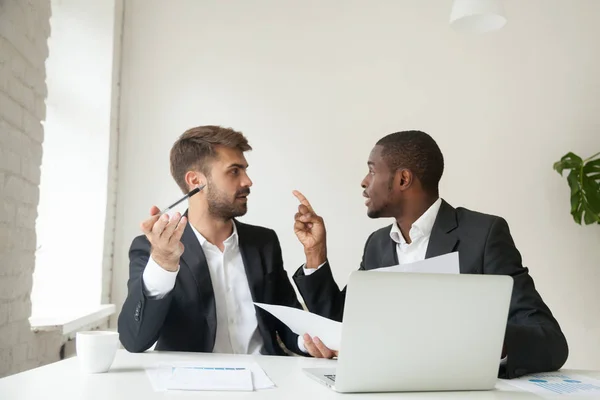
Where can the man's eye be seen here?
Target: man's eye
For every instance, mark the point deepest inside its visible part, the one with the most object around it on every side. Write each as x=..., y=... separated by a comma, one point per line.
x=235, y=171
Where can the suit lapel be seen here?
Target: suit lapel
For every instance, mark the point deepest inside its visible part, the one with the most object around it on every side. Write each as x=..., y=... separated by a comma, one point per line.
x=389, y=255
x=443, y=240
x=253, y=264
x=255, y=273
x=194, y=259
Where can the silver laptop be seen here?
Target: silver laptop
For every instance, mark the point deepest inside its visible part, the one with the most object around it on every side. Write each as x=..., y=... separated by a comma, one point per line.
x=420, y=332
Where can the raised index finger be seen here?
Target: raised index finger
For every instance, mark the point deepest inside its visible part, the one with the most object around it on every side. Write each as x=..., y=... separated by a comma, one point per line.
x=303, y=200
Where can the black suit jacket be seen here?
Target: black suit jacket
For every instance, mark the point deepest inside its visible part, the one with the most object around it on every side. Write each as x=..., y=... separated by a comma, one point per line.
x=186, y=319
x=534, y=341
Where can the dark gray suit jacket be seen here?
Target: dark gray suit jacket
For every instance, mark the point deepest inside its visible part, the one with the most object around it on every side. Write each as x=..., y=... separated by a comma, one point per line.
x=186, y=319
x=534, y=341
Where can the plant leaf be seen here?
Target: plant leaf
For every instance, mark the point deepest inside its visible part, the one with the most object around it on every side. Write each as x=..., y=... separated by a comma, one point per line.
x=571, y=156
x=573, y=180
x=592, y=166
x=578, y=214
x=584, y=182
x=568, y=161
x=591, y=193
x=590, y=217
x=576, y=196
x=594, y=176
x=575, y=204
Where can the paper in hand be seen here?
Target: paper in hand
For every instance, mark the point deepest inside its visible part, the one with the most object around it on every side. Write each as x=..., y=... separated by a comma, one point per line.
x=301, y=322
x=444, y=264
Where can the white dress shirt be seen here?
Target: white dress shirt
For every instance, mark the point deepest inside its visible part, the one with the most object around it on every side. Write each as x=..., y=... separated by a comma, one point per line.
x=237, y=327
x=419, y=234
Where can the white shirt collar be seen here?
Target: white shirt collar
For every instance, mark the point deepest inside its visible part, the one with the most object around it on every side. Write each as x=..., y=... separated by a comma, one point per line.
x=233, y=239
x=421, y=227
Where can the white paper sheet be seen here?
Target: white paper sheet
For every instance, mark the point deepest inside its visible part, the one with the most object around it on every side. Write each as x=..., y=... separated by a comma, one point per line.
x=161, y=376
x=444, y=264
x=208, y=378
x=158, y=378
x=556, y=384
x=301, y=322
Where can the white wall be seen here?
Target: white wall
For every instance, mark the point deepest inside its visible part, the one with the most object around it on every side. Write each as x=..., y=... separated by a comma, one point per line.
x=23, y=49
x=314, y=84
x=75, y=165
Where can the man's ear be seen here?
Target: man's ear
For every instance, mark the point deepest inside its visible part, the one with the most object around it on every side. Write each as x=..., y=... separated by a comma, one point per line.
x=405, y=178
x=193, y=179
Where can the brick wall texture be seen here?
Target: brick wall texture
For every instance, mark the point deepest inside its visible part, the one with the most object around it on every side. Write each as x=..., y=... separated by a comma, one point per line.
x=24, y=32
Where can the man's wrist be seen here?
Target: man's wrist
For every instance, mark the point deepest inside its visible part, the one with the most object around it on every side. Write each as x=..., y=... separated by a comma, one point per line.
x=315, y=258
x=165, y=263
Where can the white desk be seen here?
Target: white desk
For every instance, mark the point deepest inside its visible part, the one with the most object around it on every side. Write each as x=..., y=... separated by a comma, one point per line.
x=127, y=380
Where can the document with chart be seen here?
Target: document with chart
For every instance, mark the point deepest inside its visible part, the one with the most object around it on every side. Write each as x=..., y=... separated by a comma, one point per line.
x=553, y=384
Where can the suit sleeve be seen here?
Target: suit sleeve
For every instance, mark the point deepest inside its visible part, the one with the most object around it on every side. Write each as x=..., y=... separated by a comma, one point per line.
x=534, y=341
x=320, y=292
x=141, y=317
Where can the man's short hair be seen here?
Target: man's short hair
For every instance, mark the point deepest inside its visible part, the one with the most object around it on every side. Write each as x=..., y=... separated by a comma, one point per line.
x=417, y=152
x=196, y=148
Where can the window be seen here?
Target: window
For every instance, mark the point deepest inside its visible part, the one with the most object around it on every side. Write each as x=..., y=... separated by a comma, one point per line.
x=70, y=228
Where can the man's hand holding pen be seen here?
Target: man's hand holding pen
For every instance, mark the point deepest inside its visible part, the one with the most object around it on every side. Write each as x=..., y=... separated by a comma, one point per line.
x=164, y=234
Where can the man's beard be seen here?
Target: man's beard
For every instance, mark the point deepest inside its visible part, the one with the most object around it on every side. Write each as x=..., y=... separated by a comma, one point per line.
x=221, y=206
x=382, y=211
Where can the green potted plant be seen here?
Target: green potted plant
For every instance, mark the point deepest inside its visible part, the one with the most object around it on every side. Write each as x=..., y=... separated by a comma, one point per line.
x=584, y=181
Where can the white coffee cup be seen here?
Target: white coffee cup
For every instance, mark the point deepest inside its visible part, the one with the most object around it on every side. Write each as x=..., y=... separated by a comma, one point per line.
x=96, y=350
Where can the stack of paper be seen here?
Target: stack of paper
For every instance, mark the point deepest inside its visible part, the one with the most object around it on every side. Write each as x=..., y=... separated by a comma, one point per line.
x=208, y=376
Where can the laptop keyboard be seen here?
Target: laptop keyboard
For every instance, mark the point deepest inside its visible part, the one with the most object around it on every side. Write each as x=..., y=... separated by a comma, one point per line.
x=330, y=377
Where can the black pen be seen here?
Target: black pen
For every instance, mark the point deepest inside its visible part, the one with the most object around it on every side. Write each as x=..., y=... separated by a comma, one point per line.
x=187, y=196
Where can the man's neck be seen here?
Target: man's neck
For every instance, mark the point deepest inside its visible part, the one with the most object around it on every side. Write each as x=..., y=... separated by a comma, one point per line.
x=411, y=213
x=214, y=230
